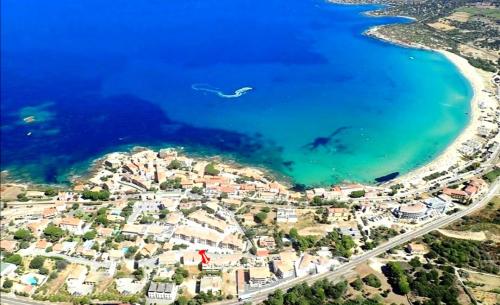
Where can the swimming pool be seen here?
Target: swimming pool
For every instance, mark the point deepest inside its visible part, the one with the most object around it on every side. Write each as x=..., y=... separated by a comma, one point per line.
x=33, y=281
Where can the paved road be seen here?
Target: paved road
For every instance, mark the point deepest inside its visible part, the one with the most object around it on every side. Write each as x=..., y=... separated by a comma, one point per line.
x=7, y=300
x=344, y=269
x=401, y=239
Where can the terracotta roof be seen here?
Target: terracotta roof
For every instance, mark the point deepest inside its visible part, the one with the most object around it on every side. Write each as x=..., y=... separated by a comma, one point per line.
x=71, y=221
x=8, y=245
x=451, y=192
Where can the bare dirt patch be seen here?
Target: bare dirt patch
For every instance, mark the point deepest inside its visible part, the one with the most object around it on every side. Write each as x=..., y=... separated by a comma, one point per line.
x=364, y=270
x=484, y=286
x=441, y=26
x=10, y=192
x=479, y=236
x=229, y=283
x=459, y=16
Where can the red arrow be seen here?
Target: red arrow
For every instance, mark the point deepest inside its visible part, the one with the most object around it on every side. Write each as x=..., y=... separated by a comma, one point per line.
x=204, y=258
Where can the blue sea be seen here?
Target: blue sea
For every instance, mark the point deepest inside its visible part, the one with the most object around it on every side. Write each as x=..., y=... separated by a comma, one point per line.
x=293, y=86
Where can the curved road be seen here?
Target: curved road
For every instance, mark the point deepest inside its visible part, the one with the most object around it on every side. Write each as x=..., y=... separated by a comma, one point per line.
x=342, y=270
x=396, y=241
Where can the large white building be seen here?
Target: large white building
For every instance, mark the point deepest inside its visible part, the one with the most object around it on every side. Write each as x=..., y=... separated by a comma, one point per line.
x=412, y=211
x=436, y=204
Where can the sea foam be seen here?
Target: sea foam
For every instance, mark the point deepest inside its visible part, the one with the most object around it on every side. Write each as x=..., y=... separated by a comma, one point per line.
x=205, y=87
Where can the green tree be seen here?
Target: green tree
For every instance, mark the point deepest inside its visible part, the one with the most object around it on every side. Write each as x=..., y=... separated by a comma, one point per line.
x=7, y=284
x=372, y=280
x=53, y=233
x=102, y=195
x=23, y=234
x=50, y=192
x=260, y=217
x=415, y=262
x=174, y=164
x=37, y=262
x=197, y=190
x=265, y=209
x=171, y=184
x=61, y=264
x=403, y=285
x=211, y=170
x=357, y=284
x=102, y=220
x=22, y=197
x=294, y=234
x=179, y=275
x=357, y=194
x=89, y=235
x=15, y=259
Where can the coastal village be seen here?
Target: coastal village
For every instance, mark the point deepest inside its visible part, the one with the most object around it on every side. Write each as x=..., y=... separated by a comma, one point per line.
x=158, y=226
x=161, y=227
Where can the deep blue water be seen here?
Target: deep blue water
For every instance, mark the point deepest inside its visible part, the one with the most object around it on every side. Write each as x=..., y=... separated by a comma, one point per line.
x=326, y=104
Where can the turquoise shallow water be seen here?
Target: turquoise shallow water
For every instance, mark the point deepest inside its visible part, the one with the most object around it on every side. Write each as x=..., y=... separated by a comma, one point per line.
x=293, y=86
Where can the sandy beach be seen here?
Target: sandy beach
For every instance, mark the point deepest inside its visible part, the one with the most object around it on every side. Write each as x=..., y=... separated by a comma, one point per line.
x=479, y=81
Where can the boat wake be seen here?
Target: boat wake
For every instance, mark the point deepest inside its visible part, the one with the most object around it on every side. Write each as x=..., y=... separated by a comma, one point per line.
x=208, y=88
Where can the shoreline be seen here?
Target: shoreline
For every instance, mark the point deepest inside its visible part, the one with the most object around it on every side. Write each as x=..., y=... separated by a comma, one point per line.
x=478, y=80
x=450, y=155
x=443, y=160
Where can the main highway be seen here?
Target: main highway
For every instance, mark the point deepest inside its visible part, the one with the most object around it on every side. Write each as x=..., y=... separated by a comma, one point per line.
x=394, y=242
x=343, y=269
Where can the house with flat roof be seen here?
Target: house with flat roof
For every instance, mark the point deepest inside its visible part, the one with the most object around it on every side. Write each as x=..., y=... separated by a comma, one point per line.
x=283, y=269
x=259, y=276
x=232, y=242
x=436, y=204
x=200, y=236
x=284, y=215
x=221, y=261
x=129, y=285
x=6, y=269
x=161, y=293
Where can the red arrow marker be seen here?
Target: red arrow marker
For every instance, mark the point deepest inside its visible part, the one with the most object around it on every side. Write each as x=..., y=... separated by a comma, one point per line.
x=204, y=258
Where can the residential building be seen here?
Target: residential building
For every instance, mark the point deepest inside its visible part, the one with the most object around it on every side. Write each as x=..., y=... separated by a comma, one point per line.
x=259, y=276
x=72, y=225
x=284, y=215
x=338, y=214
x=161, y=293
x=266, y=242
x=283, y=269
x=8, y=245
x=456, y=194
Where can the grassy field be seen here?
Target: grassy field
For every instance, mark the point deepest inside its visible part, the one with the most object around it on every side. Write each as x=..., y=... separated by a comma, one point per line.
x=487, y=12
